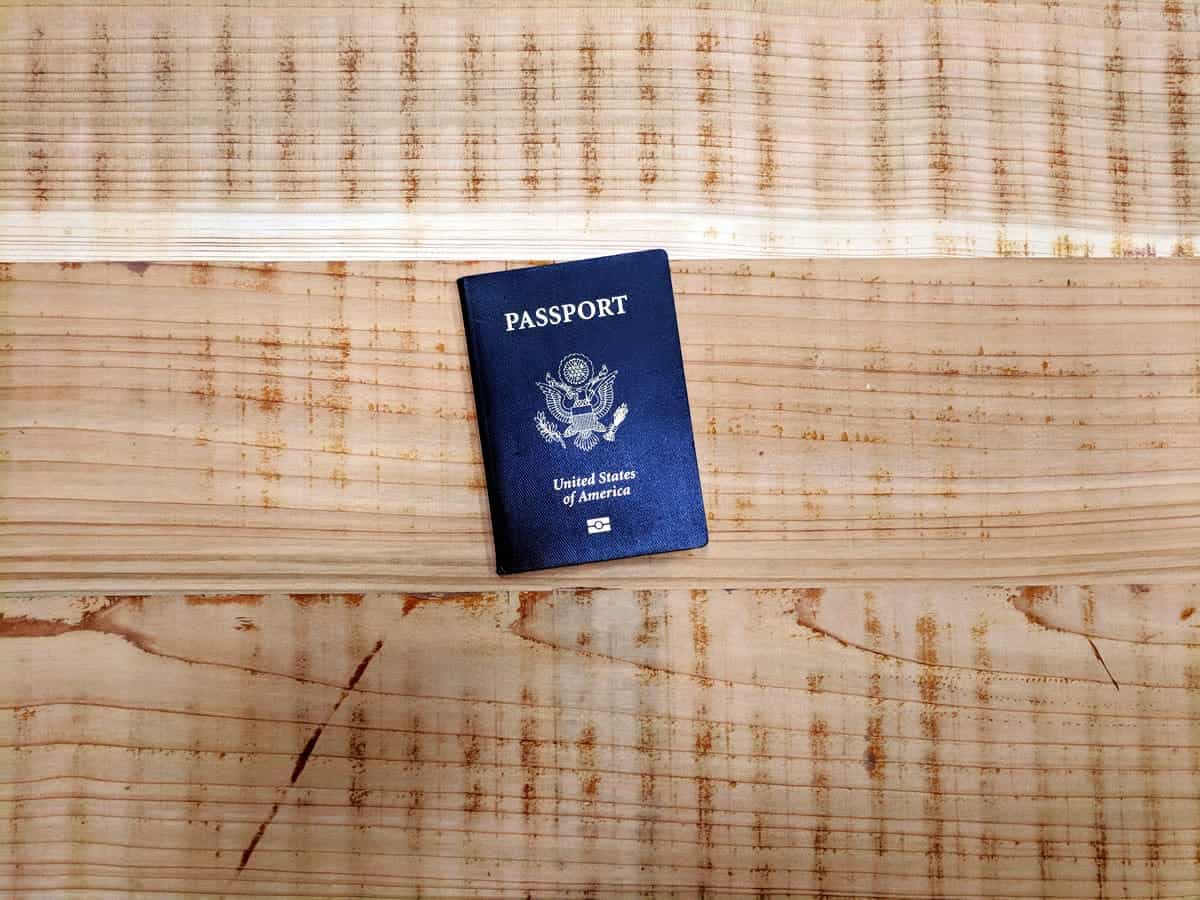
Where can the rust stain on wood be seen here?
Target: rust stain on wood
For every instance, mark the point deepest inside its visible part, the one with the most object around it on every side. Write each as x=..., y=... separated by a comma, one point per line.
x=930, y=688
x=350, y=57
x=589, y=73
x=530, y=752
x=648, y=629
x=818, y=748
x=1060, y=140
x=164, y=61
x=226, y=72
x=701, y=636
x=471, y=748
x=1065, y=247
x=101, y=178
x=981, y=658
x=1117, y=100
x=648, y=134
x=474, y=187
x=200, y=274
x=881, y=142
x=1179, y=117
x=531, y=139
x=473, y=191
x=230, y=112
x=413, y=765
x=824, y=182
x=710, y=146
x=764, y=129
x=1028, y=600
x=412, y=140
x=942, y=155
x=471, y=70
x=648, y=759
x=768, y=779
x=704, y=731
x=307, y=342
x=337, y=400
x=590, y=781
x=706, y=789
x=472, y=602
x=356, y=749
x=270, y=439
x=1172, y=11
x=37, y=170
x=1003, y=187
x=223, y=599
x=285, y=65
x=325, y=599
x=647, y=92
x=163, y=42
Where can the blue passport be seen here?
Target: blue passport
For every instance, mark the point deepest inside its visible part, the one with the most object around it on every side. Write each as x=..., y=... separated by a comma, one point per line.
x=583, y=411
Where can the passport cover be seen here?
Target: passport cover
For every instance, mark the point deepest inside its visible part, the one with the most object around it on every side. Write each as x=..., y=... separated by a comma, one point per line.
x=583, y=411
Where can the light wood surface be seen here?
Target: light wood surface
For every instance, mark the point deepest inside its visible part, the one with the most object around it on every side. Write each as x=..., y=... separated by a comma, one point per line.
x=894, y=741
x=310, y=427
x=943, y=640
x=495, y=130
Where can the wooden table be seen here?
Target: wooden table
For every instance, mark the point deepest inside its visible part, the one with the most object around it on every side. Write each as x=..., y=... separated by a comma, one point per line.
x=942, y=642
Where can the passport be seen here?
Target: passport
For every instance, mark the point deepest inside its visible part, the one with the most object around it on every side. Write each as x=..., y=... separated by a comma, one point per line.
x=583, y=411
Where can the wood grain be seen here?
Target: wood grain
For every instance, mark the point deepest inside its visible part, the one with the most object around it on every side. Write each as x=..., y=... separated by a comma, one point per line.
x=441, y=130
x=902, y=741
x=310, y=427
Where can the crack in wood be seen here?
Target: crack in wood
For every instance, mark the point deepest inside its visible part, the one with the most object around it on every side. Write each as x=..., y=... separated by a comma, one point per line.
x=1107, y=671
x=306, y=752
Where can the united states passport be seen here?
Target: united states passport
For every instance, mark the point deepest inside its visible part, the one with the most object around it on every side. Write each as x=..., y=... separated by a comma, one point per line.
x=583, y=411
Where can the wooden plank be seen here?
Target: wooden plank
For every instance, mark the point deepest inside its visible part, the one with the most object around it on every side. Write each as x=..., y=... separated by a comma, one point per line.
x=310, y=427
x=434, y=130
x=915, y=740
